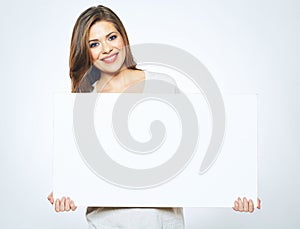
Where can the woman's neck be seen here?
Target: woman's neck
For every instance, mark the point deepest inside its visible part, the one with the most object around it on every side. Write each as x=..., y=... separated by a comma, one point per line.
x=120, y=81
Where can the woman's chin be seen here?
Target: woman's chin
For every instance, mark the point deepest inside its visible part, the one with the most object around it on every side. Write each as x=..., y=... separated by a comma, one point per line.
x=112, y=69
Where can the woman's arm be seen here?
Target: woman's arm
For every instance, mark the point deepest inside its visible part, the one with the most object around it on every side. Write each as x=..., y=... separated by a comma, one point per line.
x=63, y=204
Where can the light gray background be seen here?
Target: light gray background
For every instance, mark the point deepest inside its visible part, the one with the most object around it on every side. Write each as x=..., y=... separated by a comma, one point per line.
x=246, y=45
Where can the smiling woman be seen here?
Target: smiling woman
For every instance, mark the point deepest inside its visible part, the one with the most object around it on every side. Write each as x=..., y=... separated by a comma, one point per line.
x=101, y=61
x=99, y=45
x=106, y=47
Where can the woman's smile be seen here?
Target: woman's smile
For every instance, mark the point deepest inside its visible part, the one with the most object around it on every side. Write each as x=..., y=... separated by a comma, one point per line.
x=110, y=59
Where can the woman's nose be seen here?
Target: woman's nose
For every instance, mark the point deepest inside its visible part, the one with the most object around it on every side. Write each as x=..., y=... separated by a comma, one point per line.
x=106, y=47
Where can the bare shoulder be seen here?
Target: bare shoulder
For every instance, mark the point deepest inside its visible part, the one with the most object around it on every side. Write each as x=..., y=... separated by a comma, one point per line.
x=159, y=76
x=136, y=75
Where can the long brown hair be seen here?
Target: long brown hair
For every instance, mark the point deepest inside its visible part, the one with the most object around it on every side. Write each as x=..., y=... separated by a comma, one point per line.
x=80, y=60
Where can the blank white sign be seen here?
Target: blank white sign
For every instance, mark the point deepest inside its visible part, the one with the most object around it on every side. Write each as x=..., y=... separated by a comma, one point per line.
x=234, y=173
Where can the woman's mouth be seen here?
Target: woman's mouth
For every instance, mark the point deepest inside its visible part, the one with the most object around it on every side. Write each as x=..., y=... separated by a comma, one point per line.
x=110, y=59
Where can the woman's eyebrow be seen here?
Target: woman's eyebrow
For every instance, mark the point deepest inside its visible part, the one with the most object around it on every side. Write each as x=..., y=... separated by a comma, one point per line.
x=93, y=40
x=106, y=36
x=109, y=34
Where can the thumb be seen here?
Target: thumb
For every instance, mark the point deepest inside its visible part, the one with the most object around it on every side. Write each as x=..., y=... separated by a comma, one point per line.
x=50, y=198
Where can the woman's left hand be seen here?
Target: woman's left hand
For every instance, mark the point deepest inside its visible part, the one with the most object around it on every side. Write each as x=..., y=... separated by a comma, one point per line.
x=245, y=205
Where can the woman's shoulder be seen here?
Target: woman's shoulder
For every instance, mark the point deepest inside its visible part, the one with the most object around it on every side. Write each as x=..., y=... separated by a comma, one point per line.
x=159, y=76
x=169, y=87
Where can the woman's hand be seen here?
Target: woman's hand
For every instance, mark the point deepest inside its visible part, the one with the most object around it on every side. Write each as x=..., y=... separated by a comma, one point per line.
x=63, y=204
x=245, y=205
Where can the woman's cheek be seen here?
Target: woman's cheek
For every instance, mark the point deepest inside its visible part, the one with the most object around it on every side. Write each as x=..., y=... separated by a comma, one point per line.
x=94, y=55
x=119, y=44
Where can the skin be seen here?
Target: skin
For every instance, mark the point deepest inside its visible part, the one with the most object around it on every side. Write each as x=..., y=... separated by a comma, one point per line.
x=105, y=41
x=108, y=54
x=63, y=204
x=245, y=205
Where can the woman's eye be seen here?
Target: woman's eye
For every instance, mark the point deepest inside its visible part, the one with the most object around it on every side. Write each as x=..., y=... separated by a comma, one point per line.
x=113, y=37
x=94, y=44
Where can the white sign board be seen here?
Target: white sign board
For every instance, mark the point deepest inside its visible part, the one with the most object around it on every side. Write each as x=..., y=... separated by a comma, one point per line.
x=109, y=172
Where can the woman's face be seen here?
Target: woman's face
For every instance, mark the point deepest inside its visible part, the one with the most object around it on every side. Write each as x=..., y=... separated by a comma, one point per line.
x=106, y=47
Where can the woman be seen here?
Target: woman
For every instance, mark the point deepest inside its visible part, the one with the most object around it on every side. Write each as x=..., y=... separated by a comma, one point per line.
x=100, y=46
x=99, y=38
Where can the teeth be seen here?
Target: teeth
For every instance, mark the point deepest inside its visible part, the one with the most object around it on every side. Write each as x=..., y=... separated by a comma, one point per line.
x=110, y=58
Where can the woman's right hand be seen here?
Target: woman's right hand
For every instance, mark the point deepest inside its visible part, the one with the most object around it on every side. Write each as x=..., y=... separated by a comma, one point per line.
x=63, y=204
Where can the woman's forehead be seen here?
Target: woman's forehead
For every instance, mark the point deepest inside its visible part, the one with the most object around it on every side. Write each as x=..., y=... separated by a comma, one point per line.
x=101, y=29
